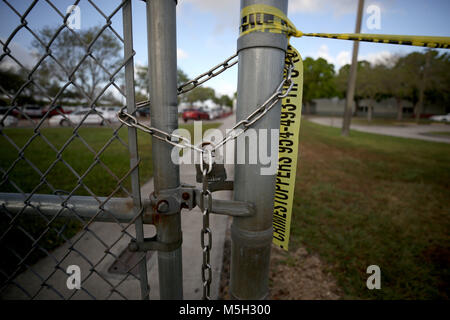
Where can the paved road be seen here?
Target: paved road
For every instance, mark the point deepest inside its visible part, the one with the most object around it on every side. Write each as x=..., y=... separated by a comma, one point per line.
x=412, y=131
x=92, y=248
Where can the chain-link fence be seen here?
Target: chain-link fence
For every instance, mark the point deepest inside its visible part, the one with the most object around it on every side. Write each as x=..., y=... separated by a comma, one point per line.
x=69, y=187
x=70, y=196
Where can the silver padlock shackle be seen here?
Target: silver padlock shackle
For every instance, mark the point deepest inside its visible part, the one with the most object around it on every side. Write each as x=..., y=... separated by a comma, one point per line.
x=210, y=158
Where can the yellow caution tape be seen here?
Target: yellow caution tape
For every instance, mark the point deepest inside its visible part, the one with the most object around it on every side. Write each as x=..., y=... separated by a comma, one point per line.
x=264, y=18
x=420, y=41
x=291, y=112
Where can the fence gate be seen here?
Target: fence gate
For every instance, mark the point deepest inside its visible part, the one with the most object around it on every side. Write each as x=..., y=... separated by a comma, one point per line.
x=72, y=218
x=70, y=197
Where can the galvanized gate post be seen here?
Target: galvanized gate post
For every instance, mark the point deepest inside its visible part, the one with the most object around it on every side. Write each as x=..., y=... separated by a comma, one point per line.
x=261, y=62
x=132, y=139
x=162, y=61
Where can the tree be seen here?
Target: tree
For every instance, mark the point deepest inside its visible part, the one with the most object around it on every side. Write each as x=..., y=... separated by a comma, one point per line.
x=200, y=94
x=181, y=77
x=224, y=100
x=141, y=80
x=318, y=80
x=69, y=49
x=395, y=83
x=369, y=84
x=341, y=81
x=424, y=72
x=439, y=90
x=10, y=83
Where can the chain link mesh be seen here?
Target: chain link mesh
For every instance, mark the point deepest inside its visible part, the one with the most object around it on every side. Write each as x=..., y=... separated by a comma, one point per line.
x=37, y=158
x=37, y=250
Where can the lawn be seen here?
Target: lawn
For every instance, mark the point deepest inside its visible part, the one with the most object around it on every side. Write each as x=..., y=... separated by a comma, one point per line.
x=372, y=199
x=62, y=168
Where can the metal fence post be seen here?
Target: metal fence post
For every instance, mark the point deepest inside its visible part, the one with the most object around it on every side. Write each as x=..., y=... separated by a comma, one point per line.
x=162, y=61
x=261, y=62
x=132, y=140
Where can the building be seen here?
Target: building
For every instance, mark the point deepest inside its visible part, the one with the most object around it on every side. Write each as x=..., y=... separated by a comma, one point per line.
x=386, y=108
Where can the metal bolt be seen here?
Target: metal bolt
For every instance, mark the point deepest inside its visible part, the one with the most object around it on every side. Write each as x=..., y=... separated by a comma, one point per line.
x=133, y=246
x=162, y=206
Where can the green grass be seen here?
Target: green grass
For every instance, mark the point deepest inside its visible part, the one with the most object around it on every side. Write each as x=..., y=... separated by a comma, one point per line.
x=98, y=177
x=373, y=199
x=101, y=179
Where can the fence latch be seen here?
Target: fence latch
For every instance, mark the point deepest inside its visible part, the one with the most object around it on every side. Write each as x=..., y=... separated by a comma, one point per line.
x=152, y=244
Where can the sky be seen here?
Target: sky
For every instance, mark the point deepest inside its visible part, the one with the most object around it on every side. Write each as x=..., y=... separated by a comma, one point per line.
x=207, y=30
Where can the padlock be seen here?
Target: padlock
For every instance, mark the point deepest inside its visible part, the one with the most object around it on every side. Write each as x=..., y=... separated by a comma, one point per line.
x=217, y=173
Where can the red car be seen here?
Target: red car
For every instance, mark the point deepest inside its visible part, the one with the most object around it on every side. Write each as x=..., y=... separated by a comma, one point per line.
x=195, y=114
x=55, y=110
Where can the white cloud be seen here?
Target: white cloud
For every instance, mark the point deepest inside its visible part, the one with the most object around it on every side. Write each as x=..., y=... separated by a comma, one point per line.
x=377, y=57
x=309, y=6
x=304, y=6
x=226, y=88
x=217, y=6
x=181, y=54
x=324, y=52
x=343, y=58
x=226, y=12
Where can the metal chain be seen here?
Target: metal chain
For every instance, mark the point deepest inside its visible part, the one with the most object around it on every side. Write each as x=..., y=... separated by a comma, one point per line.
x=131, y=121
x=283, y=89
x=194, y=83
x=281, y=92
x=215, y=71
x=206, y=231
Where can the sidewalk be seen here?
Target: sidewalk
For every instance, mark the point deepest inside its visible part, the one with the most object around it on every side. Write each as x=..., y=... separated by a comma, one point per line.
x=91, y=247
x=411, y=131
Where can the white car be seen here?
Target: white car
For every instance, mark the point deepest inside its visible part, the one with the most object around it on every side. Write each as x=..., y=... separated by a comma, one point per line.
x=445, y=118
x=32, y=111
x=9, y=120
x=214, y=113
x=96, y=117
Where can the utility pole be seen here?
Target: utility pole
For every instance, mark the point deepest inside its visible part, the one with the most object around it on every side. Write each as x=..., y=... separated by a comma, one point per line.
x=423, y=83
x=349, y=103
x=261, y=63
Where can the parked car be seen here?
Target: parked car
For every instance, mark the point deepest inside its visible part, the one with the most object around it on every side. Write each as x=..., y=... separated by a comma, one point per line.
x=215, y=113
x=55, y=110
x=32, y=111
x=444, y=118
x=109, y=109
x=144, y=112
x=195, y=114
x=97, y=117
x=9, y=120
